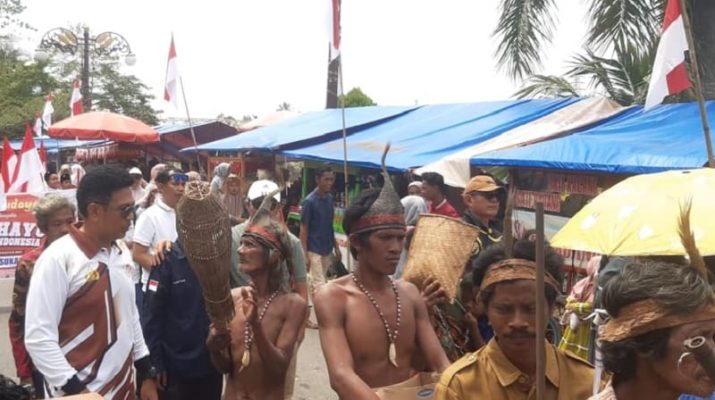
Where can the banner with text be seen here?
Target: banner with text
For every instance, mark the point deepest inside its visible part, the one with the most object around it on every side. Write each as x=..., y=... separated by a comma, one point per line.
x=18, y=229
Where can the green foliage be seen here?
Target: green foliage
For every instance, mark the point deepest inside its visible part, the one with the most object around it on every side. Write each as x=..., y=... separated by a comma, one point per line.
x=23, y=88
x=524, y=26
x=122, y=94
x=623, y=78
x=355, y=98
x=9, y=10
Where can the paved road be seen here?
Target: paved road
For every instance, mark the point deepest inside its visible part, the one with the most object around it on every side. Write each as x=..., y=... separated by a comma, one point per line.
x=312, y=376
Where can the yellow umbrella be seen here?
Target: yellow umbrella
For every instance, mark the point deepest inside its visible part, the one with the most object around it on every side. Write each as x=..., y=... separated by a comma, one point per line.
x=640, y=215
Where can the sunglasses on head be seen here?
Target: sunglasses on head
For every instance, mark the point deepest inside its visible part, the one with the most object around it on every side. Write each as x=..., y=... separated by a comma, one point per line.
x=179, y=178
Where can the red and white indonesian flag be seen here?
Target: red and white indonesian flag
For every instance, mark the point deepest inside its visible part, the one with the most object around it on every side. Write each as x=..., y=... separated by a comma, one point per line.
x=28, y=174
x=334, y=27
x=47, y=112
x=670, y=74
x=9, y=163
x=37, y=128
x=76, y=99
x=172, y=76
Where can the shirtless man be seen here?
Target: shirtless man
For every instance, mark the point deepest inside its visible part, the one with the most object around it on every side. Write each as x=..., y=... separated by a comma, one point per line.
x=374, y=343
x=256, y=350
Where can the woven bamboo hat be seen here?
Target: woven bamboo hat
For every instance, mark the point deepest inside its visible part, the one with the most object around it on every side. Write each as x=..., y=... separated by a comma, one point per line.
x=440, y=248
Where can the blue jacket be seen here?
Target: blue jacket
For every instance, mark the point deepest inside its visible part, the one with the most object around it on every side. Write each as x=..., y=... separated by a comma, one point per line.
x=176, y=324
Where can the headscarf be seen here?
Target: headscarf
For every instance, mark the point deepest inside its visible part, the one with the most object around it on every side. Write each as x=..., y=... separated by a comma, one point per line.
x=584, y=290
x=414, y=206
x=219, y=175
x=77, y=174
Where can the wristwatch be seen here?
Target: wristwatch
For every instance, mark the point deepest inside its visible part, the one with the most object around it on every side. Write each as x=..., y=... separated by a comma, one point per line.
x=151, y=373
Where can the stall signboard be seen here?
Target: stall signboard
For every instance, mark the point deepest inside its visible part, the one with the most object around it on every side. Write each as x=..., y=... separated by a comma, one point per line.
x=112, y=151
x=562, y=195
x=18, y=230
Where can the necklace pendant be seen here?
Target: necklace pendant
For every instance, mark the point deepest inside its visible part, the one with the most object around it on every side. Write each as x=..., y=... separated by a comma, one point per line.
x=392, y=354
x=246, y=359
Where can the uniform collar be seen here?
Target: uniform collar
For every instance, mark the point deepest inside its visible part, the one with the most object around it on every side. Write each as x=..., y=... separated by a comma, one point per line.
x=507, y=373
x=160, y=203
x=88, y=244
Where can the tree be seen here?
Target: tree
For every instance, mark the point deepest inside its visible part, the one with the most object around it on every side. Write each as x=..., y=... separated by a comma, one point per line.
x=284, y=107
x=23, y=88
x=356, y=98
x=122, y=94
x=616, y=27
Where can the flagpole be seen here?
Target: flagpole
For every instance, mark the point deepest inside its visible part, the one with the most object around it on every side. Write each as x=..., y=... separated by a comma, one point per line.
x=191, y=125
x=341, y=100
x=698, y=84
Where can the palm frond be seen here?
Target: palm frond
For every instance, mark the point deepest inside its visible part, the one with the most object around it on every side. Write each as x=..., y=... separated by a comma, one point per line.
x=524, y=26
x=633, y=22
x=547, y=86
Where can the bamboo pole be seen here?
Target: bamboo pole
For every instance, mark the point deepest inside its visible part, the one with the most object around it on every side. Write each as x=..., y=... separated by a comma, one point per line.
x=540, y=305
x=698, y=84
x=346, y=201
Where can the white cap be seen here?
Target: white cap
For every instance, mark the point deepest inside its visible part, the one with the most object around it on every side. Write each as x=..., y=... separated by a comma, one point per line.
x=262, y=188
x=135, y=171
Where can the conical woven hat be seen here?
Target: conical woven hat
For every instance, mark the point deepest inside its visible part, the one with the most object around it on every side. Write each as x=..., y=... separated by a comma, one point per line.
x=387, y=211
x=440, y=248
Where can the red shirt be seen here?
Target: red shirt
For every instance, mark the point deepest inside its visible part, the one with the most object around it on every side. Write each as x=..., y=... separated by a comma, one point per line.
x=444, y=208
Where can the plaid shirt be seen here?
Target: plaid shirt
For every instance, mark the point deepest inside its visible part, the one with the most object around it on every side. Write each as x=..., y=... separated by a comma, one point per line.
x=606, y=394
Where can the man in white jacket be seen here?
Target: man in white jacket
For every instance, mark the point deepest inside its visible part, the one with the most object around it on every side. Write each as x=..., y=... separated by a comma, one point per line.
x=82, y=328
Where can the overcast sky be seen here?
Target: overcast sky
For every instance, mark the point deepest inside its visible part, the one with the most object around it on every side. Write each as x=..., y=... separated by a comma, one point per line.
x=247, y=56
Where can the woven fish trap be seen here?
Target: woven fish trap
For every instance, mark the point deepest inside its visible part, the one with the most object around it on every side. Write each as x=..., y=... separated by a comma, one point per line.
x=440, y=248
x=204, y=230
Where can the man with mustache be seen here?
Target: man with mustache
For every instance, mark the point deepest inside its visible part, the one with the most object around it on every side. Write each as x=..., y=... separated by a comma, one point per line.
x=506, y=367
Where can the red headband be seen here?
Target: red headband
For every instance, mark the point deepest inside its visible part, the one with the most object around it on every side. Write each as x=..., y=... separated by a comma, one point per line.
x=264, y=234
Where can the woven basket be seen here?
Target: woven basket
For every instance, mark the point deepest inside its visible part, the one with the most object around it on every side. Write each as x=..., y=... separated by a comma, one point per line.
x=440, y=248
x=204, y=231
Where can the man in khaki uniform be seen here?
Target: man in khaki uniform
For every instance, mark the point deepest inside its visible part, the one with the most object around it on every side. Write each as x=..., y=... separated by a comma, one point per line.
x=506, y=367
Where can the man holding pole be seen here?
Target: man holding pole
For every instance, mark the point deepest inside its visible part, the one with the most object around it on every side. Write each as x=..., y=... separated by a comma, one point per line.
x=506, y=367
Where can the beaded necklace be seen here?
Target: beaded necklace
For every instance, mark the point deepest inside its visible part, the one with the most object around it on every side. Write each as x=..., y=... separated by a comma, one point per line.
x=391, y=335
x=248, y=333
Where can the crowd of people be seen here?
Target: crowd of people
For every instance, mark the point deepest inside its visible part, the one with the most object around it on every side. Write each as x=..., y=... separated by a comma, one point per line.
x=110, y=303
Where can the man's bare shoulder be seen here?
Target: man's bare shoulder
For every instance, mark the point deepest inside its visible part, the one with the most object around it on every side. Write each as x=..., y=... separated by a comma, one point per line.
x=334, y=290
x=409, y=288
x=293, y=301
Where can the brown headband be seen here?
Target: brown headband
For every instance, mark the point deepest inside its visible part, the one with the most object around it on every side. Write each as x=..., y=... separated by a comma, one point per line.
x=646, y=316
x=512, y=269
x=378, y=222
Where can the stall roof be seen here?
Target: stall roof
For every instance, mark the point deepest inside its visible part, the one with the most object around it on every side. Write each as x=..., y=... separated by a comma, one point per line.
x=52, y=145
x=669, y=136
x=306, y=129
x=431, y=132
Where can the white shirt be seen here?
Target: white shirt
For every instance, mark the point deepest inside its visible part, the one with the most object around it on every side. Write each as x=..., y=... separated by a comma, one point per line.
x=155, y=224
x=113, y=323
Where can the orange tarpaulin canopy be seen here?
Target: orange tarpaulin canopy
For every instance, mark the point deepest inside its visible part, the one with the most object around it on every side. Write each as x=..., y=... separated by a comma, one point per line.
x=104, y=125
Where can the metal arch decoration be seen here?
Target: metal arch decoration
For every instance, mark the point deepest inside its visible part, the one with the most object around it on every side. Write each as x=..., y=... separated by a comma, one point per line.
x=108, y=43
x=61, y=39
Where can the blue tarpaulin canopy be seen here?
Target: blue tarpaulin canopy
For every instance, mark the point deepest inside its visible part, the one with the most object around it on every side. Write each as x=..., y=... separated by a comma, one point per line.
x=53, y=145
x=306, y=129
x=669, y=136
x=431, y=132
